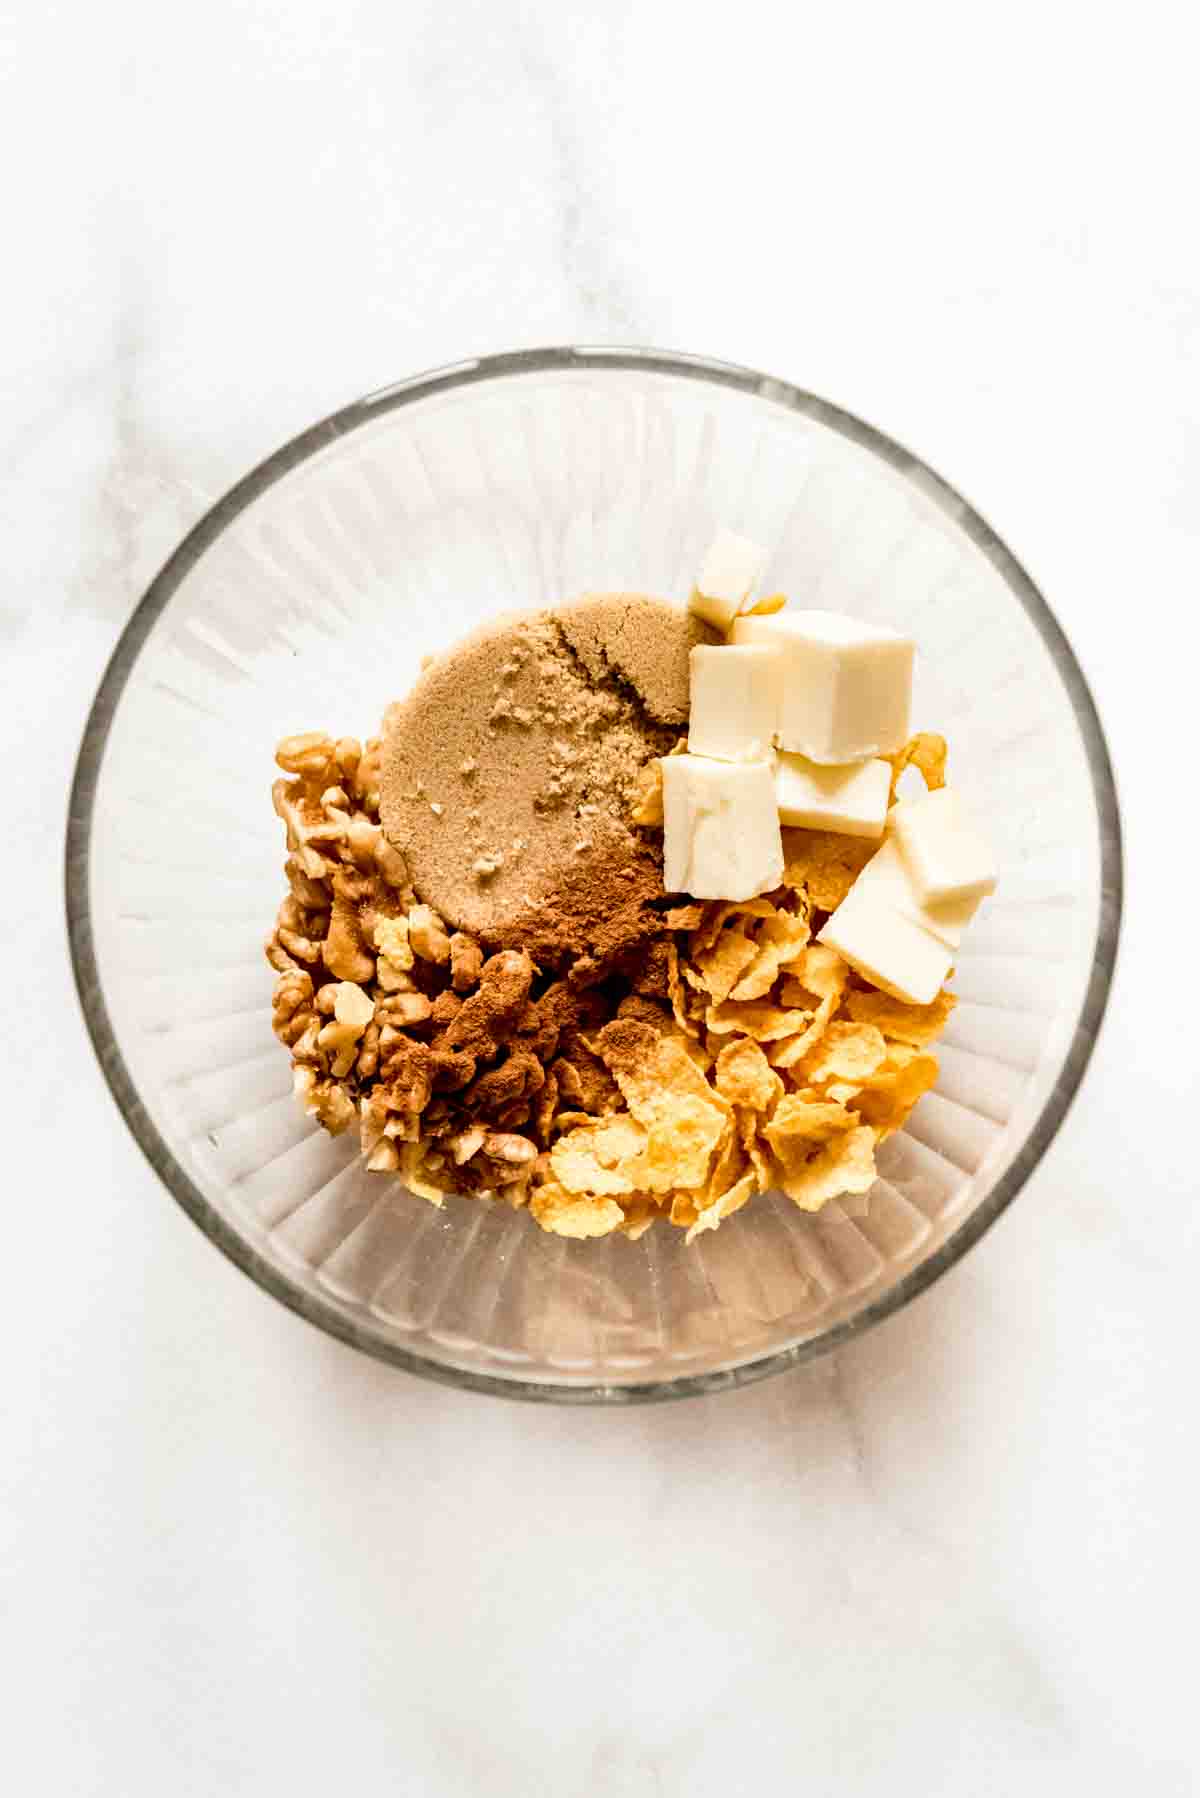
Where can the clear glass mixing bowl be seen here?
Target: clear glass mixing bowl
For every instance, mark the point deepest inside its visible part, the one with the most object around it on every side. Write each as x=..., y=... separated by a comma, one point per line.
x=306, y=599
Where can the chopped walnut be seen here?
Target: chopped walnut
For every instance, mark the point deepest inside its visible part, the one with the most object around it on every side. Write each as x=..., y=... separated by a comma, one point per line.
x=467, y=1143
x=400, y=1010
x=308, y=755
x=452, y=1070
x=427, y=934
x=517, y=1151
x=367, y=1062
x=277, y=955
x=516, y=1115
x=344, y=950
x=407, y=1068
x=395, y=954
x=466, y=959
x=298, y=932
x=362, y=841
x=292, y=1006
x=305, y=824
x=348, y=755
x=384, y=1157
x=394, y=869
x=498, y=1087
x=446, y=1007
x=353, y=1010
x=310, y=894
x=547, y=1105
x=569, y=1083
x=504, y=982
x=325, y=1100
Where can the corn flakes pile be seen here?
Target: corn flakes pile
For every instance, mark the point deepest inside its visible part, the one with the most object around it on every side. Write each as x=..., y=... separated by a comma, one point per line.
x=784, y=1068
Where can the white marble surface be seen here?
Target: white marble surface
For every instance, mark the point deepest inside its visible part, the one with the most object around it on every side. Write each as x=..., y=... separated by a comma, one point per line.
x=960, y=1556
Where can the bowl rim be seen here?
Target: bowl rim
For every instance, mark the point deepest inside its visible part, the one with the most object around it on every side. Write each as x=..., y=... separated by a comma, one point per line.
x=595, y=359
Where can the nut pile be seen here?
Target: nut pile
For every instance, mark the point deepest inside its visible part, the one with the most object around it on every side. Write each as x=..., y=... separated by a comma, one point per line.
x=456, y=1066
x=737, y=1054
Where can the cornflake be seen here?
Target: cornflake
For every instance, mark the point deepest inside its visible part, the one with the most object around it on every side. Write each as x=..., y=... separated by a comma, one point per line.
x=564, y=1214
x=730, y=1201
x=822, y=865
x=779, y=941
x=846, y=1052
x=899, y=1021
x=746, y=1077
x=926, y=752
x=721, y=967
x=845, y=1165
x=589, y=1159
x=891, y=1092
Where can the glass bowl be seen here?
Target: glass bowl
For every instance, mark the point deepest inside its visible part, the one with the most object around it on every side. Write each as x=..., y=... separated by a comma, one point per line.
x=305, y=600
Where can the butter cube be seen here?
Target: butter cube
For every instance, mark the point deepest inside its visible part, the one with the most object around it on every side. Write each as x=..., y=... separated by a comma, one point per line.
x=845, y=686
x=885, y=931
x=886, y=880
x=735, y=702
x=852, y=800
x=946, y=855
x=730, y=569
x=721, y=837
x=887, y=948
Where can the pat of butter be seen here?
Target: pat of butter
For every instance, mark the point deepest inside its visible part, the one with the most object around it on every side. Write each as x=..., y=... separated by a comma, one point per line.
x=734, y=702
x=886, y=881
x=851, y=800
x=845, y=686
x=947, y=857
x=731, y=568
x=887, y=948
x=721, y=837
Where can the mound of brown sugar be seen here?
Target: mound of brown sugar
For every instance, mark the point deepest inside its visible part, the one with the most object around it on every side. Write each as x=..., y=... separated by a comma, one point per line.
x=510, y=770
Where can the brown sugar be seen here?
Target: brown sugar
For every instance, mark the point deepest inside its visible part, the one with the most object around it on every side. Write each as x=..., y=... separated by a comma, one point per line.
x=512, y=767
